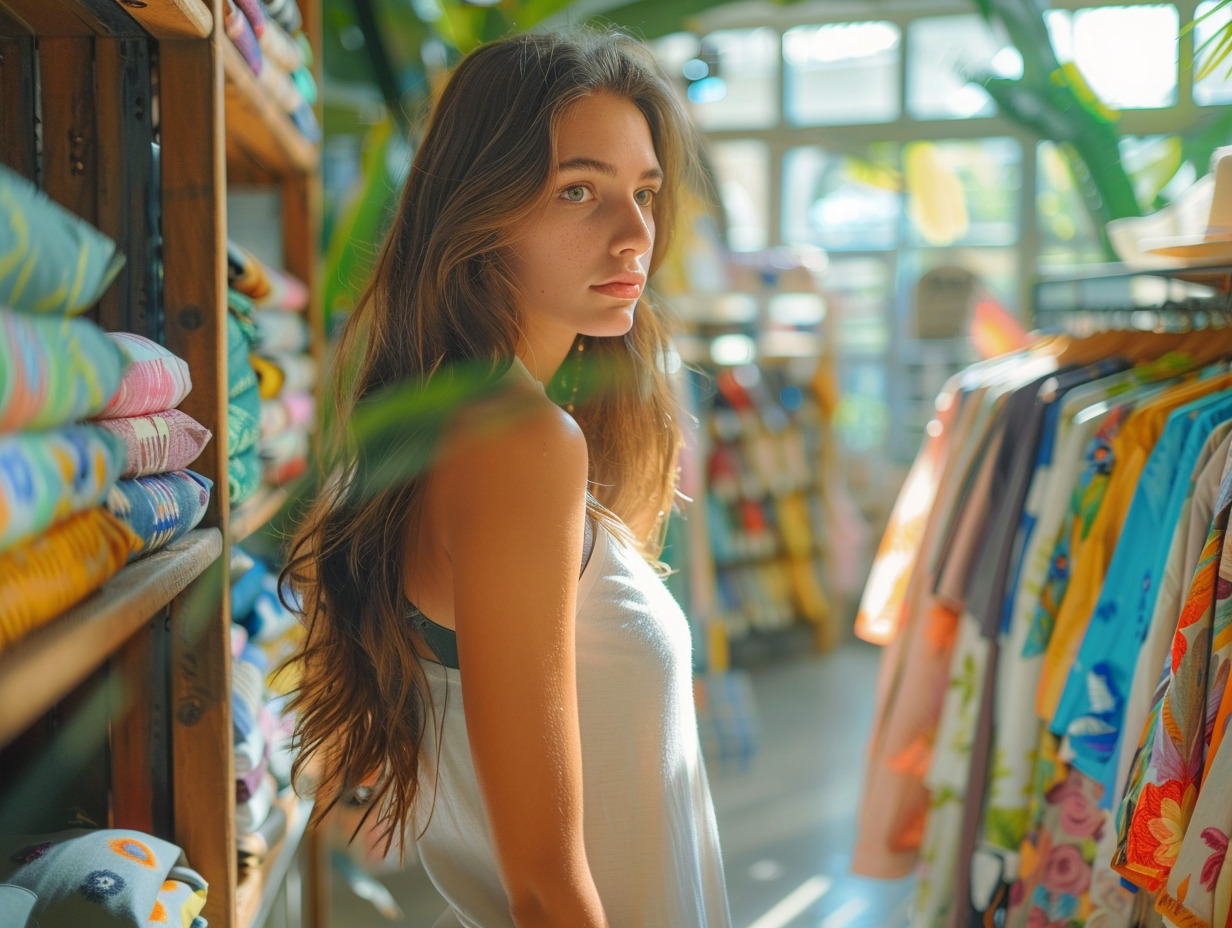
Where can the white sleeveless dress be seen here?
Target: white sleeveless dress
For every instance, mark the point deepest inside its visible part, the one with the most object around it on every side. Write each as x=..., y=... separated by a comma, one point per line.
x=650, y=832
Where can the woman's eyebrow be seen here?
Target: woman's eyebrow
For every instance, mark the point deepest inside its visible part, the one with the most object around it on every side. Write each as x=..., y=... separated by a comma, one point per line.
x=604, y=167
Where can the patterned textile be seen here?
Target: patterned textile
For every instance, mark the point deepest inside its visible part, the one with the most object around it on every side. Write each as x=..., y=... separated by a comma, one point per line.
x=280, y=331
x=54, y=371
x=1199, y=891
x=47, y=476
x=255, y=13
x=50, y=260
x=158, y=442
x=161, y=507
x=42, y=577
x=105, y=878
x=243, y=427
x=286, y=13
x=239, y=30
x=1092, y=704
x=243, y=475
x=1131, y=448
x=1167, y=771
x=156, y=380
x=279, y=48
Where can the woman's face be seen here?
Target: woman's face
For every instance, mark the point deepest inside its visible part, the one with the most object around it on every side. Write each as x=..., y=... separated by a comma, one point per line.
x=581, y=262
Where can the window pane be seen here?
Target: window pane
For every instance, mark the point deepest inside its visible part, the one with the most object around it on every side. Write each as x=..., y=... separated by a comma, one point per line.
x=862, y=418
x=1216, y=87
x=743, y=169
x=1126, y=54
x=1067, y=236
x=996, y=269
x=841, y=203
x=963, y=192
x=943, y=52
x=841, y=73
x=738, y=88
x=859, y=294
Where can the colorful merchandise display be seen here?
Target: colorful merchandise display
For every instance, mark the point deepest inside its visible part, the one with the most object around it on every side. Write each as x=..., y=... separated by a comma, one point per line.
x=1047, y=739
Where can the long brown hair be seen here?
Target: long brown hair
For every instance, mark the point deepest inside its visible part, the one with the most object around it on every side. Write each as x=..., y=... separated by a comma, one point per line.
x=441, y=301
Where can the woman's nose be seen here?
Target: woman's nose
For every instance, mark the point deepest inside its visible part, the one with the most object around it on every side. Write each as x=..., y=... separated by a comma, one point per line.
x=635, y=229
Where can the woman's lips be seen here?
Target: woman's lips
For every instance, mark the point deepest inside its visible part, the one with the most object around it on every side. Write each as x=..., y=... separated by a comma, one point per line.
x=619, y=289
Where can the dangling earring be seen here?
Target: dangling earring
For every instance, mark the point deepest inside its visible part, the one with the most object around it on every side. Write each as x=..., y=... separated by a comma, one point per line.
x=577, y=373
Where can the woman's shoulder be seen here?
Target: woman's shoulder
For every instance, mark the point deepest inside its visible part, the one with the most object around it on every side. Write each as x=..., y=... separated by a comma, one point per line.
x=515, y=438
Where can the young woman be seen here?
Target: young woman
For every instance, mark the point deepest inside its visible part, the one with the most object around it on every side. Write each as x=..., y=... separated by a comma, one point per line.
x=488, y=643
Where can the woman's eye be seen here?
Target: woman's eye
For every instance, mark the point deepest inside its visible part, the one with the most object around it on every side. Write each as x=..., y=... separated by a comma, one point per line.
x=575, y=194
x=644, y=197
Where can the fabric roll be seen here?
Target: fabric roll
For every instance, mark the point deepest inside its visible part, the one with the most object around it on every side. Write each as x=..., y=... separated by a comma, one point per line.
x=161, y=507
x=51, y=262
x=155, y=380
x=158, y=442
x=243, y=476
x=44, y=576
x=243, y=428
x=279, y=48
x=254, y=11
x=47, y=476
x=285, y=13
x=246, y=274
x=53, y=370
x=255, y=847
x=239, y=31
x=250, y=815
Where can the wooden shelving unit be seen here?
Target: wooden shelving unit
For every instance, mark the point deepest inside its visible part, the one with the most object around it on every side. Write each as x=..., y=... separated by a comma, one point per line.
x=43, y=667
x=135, y=115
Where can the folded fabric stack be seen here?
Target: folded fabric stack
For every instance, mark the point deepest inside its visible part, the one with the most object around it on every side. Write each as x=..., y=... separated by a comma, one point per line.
x=271, y=40
x=243, y=401
x=156, y=497
x=97, y=877
x=262, y=730
x=58, y=542
x=286, y=373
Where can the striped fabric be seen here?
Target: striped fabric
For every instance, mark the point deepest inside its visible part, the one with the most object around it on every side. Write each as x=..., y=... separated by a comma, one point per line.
x=156, y=379
x=161, y=507
x=44, y=576
x=47, y=476
x=54, y=370
x=158, y=442
x=50, y=260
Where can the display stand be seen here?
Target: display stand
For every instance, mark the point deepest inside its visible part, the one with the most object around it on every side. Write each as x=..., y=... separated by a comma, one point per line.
x=134, y=116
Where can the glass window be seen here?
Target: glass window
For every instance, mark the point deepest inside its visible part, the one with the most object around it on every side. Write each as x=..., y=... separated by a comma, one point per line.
x=1216, y=87
x=860, y=292
x=842, y=203
x=862, y=418
x=1067, y=235
x=743, y=173
x=1126, y=54
x=963, y=192
x=733, y=81
x=995, y=269
x=841, y=73
x=943, y=54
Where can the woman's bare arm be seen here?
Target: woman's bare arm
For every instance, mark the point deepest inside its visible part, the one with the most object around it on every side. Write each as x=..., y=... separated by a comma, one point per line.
x=514, y=505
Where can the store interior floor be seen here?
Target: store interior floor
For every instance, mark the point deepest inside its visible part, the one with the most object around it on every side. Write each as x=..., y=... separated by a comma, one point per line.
x=786, y=818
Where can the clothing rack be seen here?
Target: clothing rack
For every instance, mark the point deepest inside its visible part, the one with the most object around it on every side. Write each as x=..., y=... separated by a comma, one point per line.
x=1111, y=296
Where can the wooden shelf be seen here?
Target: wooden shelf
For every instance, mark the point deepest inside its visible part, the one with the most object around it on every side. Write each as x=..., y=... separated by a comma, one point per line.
x=261, y=139
x=44, y=666
x=255, y=894
x=255, y=512
x=171, y=19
